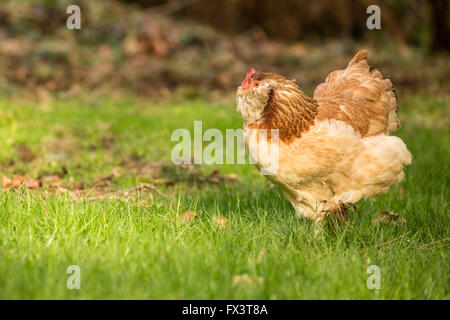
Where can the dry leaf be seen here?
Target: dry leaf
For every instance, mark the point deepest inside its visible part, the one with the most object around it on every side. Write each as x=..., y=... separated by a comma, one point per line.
x=246, y=279
x=31, y=183
x=260, y=255
x=115, y=172
x=6, y=182
x=387, y=217
x=189, y=216
x=19, y=182
x=52, y=181
x=148, y=187
x=220, y=222
x=217, y=177
x=14, y=182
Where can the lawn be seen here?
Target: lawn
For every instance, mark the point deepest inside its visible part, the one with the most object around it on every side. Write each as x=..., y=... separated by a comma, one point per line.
x=111, y=202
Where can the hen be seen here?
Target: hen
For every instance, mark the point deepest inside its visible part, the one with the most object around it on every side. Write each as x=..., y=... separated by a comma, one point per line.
x=331, y=150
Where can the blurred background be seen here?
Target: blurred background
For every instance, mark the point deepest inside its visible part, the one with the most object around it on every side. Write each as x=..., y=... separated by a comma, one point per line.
x=202, y=48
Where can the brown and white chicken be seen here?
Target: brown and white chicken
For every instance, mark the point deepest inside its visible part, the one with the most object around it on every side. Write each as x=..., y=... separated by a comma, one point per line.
x=333, y=149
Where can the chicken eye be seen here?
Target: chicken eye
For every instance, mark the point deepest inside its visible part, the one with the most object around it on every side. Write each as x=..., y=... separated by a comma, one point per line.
x=256, y=84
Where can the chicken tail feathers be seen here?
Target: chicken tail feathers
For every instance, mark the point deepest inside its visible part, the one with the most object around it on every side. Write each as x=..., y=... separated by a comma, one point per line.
x=364, y=94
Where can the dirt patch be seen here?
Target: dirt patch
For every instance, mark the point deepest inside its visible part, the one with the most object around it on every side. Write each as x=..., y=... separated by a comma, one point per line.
x=170, y=174
x=104, y=187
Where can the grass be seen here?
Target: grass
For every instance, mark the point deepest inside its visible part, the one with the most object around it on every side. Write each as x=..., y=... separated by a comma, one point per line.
x=139, y=247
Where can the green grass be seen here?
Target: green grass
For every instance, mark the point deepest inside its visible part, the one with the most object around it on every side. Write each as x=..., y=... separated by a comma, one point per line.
x=140, y=247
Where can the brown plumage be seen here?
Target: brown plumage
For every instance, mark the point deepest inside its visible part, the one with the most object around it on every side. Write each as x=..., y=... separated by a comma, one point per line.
x=333, y=149
x=360, y=97
x=295, y=117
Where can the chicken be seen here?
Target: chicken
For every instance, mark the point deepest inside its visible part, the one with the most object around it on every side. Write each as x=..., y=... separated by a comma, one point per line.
x=331, y=150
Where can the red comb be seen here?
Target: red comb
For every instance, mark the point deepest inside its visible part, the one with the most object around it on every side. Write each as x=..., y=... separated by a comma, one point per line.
x=244, y=83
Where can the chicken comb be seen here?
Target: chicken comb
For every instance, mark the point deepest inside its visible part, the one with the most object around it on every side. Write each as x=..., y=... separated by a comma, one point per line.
x=244, y=83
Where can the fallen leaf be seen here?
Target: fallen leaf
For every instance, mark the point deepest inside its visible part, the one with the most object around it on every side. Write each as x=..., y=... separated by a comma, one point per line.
x=6, y=182
x=189, y=216
x=51, y=180
x=148, y=187
x=31, y=183
x=220, y=222
x=246, y=279
x=260, y=255
x=217, y=177
x=387, y=217
x=231, y=176
x=14, y=182
x=115, y=171
x=19, y=182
